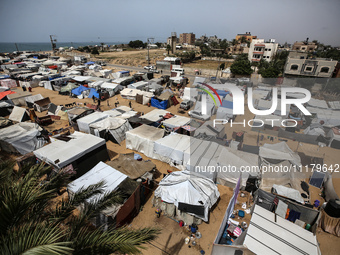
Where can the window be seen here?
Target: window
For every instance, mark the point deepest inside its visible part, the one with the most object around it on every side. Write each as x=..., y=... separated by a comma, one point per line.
x=303, y=48
x=294, y=67
x=302, y=57
x=308, y=68
x=265, y=49
x=324, y=70
x=269, y=49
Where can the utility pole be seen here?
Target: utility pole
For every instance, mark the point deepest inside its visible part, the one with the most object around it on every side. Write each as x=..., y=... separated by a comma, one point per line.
x=149, y=40
x=16, y=46
x=53, y=42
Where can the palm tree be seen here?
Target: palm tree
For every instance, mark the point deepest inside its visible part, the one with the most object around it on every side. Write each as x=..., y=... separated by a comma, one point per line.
x=32, y=221
x=168, y=48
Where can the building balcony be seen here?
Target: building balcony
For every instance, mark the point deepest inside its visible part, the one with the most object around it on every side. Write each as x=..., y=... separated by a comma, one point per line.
x=260, y=45
x=258, y=52
x=256, y=59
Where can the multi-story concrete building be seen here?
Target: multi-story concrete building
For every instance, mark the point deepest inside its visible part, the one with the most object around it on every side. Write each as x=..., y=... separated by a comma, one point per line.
x=237, y=49
x=247, y=35
x=259, y=49
x=188, y=38
x=311, y=67
x=305, y=46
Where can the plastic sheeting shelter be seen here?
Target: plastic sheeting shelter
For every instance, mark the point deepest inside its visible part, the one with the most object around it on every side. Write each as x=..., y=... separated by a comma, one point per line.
x=279, y=151
x=19, y=114
x=170, y=149
x=93, y=93
x=78, y=91
x=154, y=115
x=99, y=173
x=159, y=104
x=23, y=138
x=176, y=121
x=189, y=192
x=142, y=139
x=84, y=122
x=268, y=234
x=83, y=151
x=117, y=127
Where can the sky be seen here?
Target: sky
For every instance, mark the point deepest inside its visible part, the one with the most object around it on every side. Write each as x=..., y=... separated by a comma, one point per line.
x=123, y=21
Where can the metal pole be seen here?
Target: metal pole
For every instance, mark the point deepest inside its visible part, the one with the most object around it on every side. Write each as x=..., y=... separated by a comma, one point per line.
x=16, y=46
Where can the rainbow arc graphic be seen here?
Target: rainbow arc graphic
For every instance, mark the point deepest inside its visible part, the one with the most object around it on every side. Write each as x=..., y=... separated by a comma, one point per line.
x=209, y=93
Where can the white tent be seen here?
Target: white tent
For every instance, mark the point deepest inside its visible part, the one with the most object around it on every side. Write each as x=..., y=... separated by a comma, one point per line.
x=19, y=114
x=22, y=136
x=62, y=153
x=279, y=151
x=84, y=122
x=185, y=189
x=101, y=172
x=117, y=127
x=31, y=99
x=176, y=121
x=269, y=234
x=170, y=149
x=202, y=157
x=138, y=85
x=155, y=115
x=232, y=162
x=112, y=88
x=142, y=139
x=129, y=93
x=315, y=129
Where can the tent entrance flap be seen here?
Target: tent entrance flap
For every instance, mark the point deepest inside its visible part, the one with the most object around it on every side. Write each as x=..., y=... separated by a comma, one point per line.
x=195, y=209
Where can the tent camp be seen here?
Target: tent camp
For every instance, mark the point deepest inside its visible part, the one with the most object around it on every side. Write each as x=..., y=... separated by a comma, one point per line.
x=8, y=83
x=42, y=104
x=165, y=100
x=80, y=92
x=66, y=90
x=334, y=135
x=269, y=234
x=80, y=150
x=225, y=111
x=77, y=113
x=202, y=157
x=84, y=122
x=118, y=214
x=19, y=114
x=315, y=129
x=18, y=98
x=31, y=99
x=132, y=93
x=170, y=149
x=129, y=165
x=138, y=85
x=22, y=137
x=176, y=121
x=183, y=194
x=112, y=88
x=111, y=128
x=197, y=111
x=239, y=161
x=271, y=153
x=155, y=115
x=142, y=139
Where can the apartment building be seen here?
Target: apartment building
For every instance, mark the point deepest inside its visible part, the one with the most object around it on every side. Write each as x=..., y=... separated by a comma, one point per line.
x=259, y=49
x=187, y=38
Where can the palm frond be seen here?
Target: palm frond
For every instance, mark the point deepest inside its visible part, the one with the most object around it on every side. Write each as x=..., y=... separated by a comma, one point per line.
x=32, y=238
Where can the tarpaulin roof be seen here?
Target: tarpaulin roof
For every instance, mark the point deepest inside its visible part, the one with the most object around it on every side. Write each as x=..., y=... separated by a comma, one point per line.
x=79, y=90
x=94, y=93
x=188, y=188
x=5, y=93
x=133, y=168
x=89, y=63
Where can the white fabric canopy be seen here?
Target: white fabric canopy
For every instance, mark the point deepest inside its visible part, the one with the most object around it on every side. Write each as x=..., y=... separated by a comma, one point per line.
x=279, y=151
x=189, y=188
x=155, y=115
x=142, y=139
x=84, y=122
x=61, y=153
x=176, y=121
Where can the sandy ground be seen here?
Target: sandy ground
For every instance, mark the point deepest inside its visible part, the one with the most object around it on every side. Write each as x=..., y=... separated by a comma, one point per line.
x=171, y=240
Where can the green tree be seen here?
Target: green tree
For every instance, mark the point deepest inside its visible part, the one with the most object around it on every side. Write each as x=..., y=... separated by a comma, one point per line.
x=234, y=42
x=95, y=51
x=137, y=44
x=32, y=222
x=168, y=48
x=224, y=44
x=222, y=66
x=241, y=65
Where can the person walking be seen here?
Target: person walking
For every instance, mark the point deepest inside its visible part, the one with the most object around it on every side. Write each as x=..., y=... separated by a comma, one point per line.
x=130, y=104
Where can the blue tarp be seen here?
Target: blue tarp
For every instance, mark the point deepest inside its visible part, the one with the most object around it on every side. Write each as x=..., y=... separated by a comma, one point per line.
x=159, y=104
x=89, y=63
x=227, y=104
x=124, y=72
x=79, y=90
x=93, y=92
x=4, y=76
x=222, y=93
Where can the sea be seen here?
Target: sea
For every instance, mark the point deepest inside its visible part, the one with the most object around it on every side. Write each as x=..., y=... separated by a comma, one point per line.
x=45, y=46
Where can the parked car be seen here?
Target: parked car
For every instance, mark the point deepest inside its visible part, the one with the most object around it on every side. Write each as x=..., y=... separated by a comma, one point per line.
x=149, y=67
x=186, y=104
